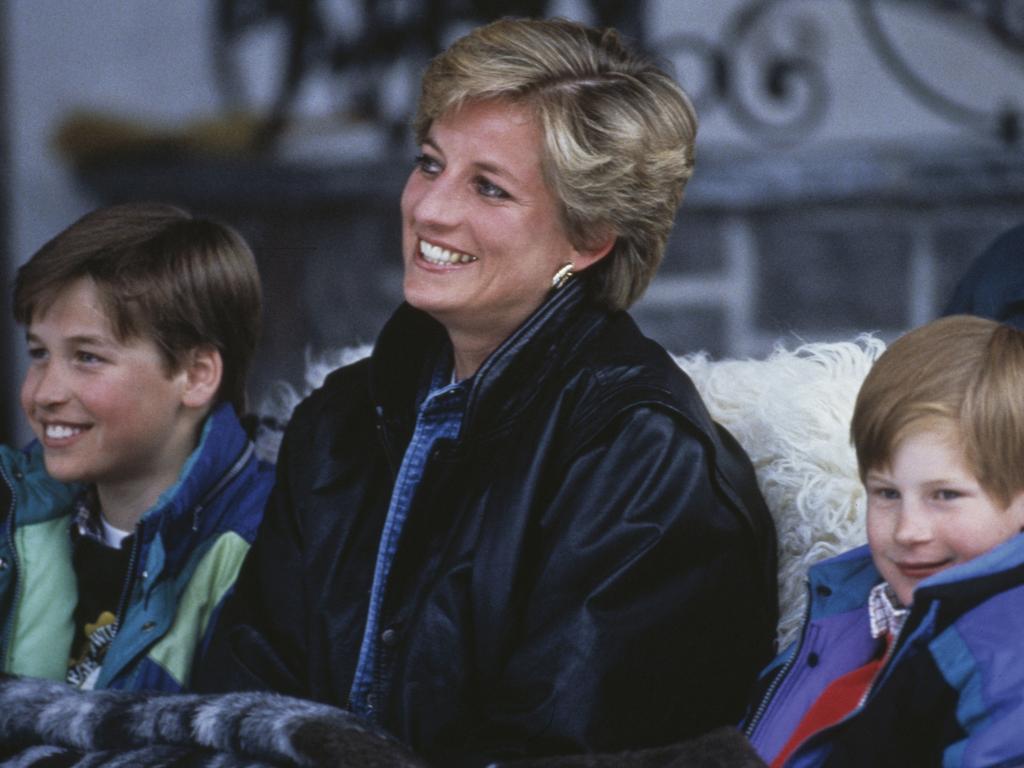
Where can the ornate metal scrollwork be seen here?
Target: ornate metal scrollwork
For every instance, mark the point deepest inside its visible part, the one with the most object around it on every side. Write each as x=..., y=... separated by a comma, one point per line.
x=766, y=69
x=358, y=41
x=1004, y=21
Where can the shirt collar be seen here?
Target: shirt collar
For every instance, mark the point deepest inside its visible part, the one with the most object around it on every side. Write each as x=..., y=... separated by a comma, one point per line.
x=887, y=613
x=87, y=514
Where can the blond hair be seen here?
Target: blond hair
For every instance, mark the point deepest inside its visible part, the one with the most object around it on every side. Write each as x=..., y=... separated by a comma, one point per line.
x=963, y=373
x=618, y=133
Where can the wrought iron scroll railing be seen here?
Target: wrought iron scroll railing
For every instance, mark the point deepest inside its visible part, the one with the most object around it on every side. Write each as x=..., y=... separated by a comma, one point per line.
x=766, y=67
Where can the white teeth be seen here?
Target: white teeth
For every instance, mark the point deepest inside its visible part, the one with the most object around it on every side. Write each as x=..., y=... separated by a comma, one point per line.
x=435, y=254
x=61, y=431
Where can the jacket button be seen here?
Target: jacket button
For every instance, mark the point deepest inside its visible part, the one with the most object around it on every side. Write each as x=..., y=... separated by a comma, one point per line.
x=371, y=701
x=148, y=626
x=389, y=637
x=812, y=660
x=3, y=564
x=18, y=475
x=823, y=591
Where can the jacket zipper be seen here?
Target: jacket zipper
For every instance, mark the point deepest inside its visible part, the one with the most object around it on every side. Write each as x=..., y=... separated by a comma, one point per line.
x=817, y=735
x=889, y=653
x=235, y=469
x=122, y=604
x=781, y=675
x=9, y=624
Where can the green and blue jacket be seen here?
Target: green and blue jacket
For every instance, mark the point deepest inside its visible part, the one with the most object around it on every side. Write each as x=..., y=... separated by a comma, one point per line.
x=185, y=557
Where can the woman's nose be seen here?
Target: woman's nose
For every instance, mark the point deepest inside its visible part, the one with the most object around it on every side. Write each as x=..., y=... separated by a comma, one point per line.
x=437, y=203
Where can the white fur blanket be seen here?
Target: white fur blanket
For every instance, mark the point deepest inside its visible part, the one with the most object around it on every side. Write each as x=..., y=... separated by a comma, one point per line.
x=790, y=412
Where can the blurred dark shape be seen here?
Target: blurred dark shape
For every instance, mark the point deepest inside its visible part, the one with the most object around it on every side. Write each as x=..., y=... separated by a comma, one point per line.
x=85, y=137
x=993, y=286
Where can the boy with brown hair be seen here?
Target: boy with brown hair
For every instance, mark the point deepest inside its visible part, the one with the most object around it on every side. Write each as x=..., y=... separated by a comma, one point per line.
x=911, y=654
x=125, y=523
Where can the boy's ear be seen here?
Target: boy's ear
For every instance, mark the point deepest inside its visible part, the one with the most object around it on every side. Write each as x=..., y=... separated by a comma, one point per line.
x=1016, y=510
x=203, y=370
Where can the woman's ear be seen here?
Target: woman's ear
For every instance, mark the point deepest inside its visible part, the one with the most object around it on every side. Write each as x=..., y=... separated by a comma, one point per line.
x=203, y=371
x=594, y=251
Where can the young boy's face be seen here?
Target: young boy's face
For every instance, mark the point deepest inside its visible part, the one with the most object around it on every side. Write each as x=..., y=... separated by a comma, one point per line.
x=927, y=512
x=105, y=410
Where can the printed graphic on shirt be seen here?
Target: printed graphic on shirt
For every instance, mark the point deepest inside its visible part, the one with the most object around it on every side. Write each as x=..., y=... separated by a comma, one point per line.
x=83, y=671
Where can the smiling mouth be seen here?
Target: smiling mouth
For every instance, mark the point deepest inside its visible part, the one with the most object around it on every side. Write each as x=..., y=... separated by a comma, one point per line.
x=442, y=257
x=922, y=570
x=61, y=431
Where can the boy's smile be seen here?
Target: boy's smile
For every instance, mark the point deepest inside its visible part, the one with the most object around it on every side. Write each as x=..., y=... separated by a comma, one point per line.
x=927, y=511
x=105, y=410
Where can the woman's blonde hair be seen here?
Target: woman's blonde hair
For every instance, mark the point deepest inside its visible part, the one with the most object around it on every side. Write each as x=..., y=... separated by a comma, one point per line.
x=959, y=373
x=618, y=133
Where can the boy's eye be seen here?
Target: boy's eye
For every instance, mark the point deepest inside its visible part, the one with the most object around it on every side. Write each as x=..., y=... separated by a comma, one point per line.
x=888, y=494
x=83, y=356
x=947, y=494
x=37, y=353
x=427, y=165
x=488, y=189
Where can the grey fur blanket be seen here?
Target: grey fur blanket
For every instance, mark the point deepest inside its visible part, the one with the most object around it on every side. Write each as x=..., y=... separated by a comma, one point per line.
x=45, y=724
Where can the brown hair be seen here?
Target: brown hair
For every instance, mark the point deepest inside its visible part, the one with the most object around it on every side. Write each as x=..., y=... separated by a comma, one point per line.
x=161, y=274
x=960, y=372
x=618, y=133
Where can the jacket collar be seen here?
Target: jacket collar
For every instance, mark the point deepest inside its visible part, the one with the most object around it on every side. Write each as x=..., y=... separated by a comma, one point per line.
x=181, y=514
x=849, y=578
x=412, y=342
x=23, y=478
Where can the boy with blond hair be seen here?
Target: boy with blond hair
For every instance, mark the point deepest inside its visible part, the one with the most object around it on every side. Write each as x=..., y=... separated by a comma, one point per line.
x=123, y=526
x=911, y=654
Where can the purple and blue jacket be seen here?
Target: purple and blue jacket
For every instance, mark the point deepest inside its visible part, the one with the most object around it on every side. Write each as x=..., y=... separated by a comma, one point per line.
x=951, y=691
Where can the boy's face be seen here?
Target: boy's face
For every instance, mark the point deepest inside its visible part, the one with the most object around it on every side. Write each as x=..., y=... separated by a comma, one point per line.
x=105, y=410
x=927, y=512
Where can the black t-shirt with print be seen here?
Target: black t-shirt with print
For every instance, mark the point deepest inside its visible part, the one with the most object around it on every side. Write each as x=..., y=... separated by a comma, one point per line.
x=101, y=571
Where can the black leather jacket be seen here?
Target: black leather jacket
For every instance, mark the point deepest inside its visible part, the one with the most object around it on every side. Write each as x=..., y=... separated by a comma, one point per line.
x=589, y=566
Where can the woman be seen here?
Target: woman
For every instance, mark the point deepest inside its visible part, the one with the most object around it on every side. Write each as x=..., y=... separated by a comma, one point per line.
x=515, y=530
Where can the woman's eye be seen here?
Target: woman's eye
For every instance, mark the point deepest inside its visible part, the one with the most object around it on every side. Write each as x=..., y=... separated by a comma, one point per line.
x=489, y=189
x=427, y=164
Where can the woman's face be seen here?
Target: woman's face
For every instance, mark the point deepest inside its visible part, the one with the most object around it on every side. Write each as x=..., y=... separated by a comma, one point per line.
x=481, y=233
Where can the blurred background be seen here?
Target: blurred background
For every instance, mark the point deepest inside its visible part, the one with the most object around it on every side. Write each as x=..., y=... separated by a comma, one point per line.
x=854, y=155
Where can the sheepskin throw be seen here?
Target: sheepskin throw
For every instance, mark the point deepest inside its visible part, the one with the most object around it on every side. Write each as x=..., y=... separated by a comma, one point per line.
x=790, y=412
